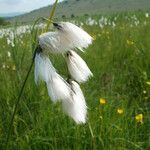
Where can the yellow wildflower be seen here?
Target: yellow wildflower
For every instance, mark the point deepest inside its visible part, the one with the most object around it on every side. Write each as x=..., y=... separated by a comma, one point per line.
x=13, y=67
x=120, y=111
x=101, y=117
x=130, y=42
x=148, y=82
x=94, y=37
x=144, y=92
x=139, y=118
x=102, y=101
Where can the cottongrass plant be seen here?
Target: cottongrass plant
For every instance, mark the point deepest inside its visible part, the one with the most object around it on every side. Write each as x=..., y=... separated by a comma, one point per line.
x=68, y=36
x=35, y=49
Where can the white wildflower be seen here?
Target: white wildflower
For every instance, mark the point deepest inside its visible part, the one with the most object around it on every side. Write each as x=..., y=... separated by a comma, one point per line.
x=3, y=66
x=76, y=36
x=76, y=108
x=54, y=43
x=43, y=68
x=58, y=88
x=8, y=54
x=77, y=67
x=146, y=15
x=68, y=36
x=113, y=24
x=91, y=22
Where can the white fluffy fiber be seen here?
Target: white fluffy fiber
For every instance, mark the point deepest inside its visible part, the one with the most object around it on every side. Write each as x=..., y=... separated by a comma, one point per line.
x=76, y=108
x=78, y=67
x=54, y=43
x=68, y=37
x=75, y=35
x=43, y=68
x=58, y=88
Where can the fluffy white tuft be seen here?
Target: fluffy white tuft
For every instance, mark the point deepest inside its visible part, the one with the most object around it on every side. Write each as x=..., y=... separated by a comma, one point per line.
x=77, y=67
x=76, y=108
x=58, y=88
x=67, y=37
x=75, y=35
x=43, y=68
x=54, y=43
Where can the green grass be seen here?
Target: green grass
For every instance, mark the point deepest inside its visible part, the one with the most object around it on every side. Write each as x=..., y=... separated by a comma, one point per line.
x=119, y=60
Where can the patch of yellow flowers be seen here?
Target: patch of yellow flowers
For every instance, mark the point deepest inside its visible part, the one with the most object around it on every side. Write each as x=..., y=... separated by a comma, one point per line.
x=129, y=42
x=138, y=117
x=13, y=67
x=102, y=101
x=120, y=111
x=148, y=82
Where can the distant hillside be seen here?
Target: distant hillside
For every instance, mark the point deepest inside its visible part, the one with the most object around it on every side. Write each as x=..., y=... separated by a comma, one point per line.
x=7, y=15
x=69, y=8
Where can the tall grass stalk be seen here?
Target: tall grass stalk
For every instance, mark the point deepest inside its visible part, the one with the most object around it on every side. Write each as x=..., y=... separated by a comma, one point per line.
x=18, y=100
x=51, y=15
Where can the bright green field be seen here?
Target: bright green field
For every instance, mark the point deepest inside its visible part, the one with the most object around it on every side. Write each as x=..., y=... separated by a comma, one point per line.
x=120, y=61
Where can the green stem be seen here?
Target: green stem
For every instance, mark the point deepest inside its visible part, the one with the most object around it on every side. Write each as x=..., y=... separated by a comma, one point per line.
x=34, y=43
x=21, y=91
x=91, y=131
x=41, y=18
x=28, y=73
x=18, y=100
x=51, y=15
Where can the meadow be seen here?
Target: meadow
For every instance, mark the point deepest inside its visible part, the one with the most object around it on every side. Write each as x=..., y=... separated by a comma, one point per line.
x=118, y=95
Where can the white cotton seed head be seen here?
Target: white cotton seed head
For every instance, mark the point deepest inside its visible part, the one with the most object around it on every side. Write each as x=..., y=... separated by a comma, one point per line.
x=78, y=67
x=76, y=108
x=58, y=88
x=75, y=35
x=43, y=68
x=67, y=37
x=54, y=43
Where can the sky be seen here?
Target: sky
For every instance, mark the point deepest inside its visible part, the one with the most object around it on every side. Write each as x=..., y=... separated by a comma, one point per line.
x=13, y=6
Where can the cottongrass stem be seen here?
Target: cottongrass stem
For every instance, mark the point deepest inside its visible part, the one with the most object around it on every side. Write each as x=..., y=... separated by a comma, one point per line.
x=18, y=100
x=26, y=78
